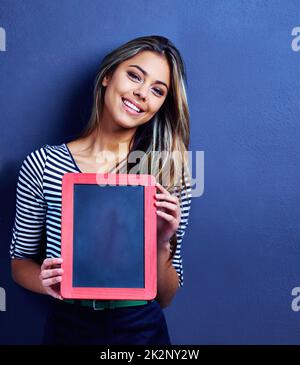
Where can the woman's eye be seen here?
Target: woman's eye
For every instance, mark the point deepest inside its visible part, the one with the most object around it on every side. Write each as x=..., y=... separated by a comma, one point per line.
x=132, y=75
x=136, y=77
x=158, y=91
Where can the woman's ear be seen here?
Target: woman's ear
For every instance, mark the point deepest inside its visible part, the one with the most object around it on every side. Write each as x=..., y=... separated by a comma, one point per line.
x=105, y=80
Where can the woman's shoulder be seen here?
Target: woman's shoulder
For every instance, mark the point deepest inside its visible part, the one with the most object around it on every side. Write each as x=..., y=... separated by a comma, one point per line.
x=45, y=148
x=52, y=147
x=57, y=151
x=37, y=157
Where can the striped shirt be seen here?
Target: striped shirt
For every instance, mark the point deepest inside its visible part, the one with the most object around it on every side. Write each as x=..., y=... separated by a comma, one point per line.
x=38, y=205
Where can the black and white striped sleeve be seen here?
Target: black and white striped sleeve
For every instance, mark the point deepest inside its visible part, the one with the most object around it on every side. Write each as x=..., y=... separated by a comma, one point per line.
x=185, y=197
x=31, y=207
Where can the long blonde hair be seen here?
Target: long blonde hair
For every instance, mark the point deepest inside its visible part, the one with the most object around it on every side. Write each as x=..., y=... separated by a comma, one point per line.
x=168, y=130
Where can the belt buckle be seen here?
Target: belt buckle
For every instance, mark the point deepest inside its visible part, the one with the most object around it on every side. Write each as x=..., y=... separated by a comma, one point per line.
x=94, y=306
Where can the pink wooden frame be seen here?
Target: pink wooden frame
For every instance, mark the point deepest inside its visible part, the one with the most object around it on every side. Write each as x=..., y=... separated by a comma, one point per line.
x=150, y=232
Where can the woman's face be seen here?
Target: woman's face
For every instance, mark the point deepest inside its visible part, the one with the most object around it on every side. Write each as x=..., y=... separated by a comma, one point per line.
x=143, y=80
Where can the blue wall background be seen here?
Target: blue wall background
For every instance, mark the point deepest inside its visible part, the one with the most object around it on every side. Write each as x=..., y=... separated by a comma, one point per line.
x=241, y=249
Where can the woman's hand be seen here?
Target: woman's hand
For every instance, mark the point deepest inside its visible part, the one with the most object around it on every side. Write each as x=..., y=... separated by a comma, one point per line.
x=168, y=215
x=51, y=276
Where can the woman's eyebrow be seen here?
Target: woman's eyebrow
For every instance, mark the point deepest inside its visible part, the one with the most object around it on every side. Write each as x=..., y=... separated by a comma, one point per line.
x=146, y=74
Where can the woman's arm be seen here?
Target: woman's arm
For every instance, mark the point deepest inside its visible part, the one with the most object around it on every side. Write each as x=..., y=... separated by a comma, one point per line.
x=43, y=279
x=168, y=211
x=167, y=277
x=25, y=272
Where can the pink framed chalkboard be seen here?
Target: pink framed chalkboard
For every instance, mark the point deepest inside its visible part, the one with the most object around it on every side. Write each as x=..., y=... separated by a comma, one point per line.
x=108, y=236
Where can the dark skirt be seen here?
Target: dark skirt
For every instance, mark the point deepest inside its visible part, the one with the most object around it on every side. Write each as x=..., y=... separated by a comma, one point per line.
x=69, y=324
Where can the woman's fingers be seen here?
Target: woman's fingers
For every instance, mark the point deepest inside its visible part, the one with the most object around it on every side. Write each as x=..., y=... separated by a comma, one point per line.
x=168, y=197
x=51, y=276
x=50, y=273
x=52, y=281
x=169, y=202
x=172, y=207
x=166, y=216
x=51, y=261
x=54, y=293
x=161, y=188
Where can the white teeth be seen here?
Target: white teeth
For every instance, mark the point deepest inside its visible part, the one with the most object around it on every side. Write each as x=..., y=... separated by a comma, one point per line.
x=132, y=106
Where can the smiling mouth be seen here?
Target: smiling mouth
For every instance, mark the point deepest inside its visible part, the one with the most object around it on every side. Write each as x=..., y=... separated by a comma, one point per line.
x=131, y=107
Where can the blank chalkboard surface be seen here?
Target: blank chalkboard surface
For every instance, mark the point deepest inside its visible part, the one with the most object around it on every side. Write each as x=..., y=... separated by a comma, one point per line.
x=108, y=236
x=109, y=226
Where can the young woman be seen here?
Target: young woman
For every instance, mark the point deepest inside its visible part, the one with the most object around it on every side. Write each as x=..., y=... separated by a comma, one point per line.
x=139, y=105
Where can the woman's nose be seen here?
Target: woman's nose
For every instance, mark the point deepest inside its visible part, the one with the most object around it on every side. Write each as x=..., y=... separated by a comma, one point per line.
x=141, y=92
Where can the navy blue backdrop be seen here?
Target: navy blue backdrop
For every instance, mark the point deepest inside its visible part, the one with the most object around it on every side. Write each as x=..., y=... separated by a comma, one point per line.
x=241, y=249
